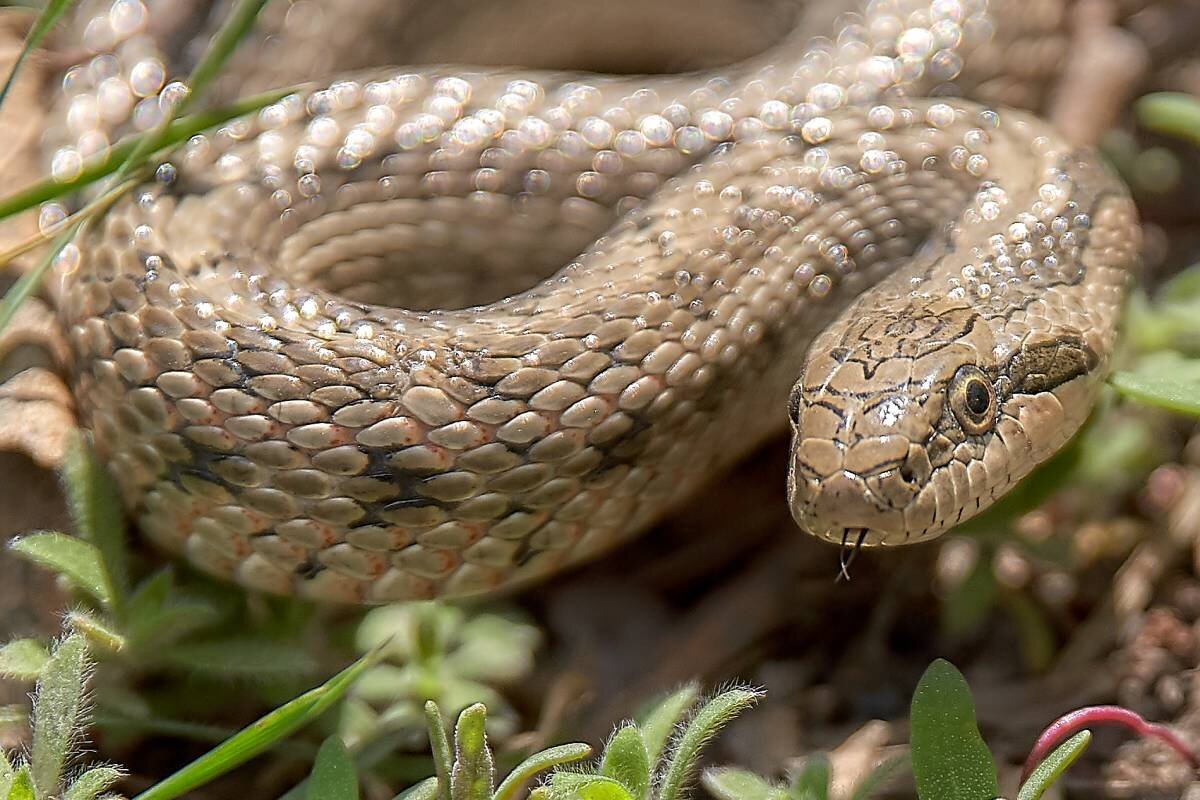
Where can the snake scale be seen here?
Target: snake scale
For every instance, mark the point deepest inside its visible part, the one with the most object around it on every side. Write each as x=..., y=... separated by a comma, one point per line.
x=426, y=331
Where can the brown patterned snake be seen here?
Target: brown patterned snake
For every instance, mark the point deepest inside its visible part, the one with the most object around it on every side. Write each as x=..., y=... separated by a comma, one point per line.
x=313, y=359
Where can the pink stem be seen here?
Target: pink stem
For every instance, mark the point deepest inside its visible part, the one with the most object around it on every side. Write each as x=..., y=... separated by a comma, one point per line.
x=1068, y=725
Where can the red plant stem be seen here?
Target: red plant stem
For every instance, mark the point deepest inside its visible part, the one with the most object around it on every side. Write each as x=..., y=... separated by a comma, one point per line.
x=1068, y=725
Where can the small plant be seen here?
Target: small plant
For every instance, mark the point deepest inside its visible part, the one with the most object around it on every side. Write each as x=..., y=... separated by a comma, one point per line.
x=60, y=711
x=438, y=652
x=468, y=771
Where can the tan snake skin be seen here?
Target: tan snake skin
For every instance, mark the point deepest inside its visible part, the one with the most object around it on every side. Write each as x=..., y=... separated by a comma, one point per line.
x=312, y=357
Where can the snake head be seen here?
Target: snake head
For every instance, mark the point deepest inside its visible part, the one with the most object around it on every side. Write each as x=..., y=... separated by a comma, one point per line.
x=907, y=423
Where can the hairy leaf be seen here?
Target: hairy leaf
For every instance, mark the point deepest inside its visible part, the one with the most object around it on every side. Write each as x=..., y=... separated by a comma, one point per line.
x=731, y=783
x=661, y=720
x=58, y=711
x=627, y=761
x=538, y=763
x=23, y=659
x=76, y=560
x=474, y=773
x=91, y=783
x=1054, y=766
x=702, y=727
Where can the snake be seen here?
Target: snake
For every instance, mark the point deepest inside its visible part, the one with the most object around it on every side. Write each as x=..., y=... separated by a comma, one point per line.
x=426, y=331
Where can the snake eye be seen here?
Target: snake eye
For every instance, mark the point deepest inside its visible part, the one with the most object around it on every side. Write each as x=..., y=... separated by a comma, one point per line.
x=973, y=400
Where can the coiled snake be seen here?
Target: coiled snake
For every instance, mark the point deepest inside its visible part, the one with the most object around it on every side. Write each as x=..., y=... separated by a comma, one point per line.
x=433, y=331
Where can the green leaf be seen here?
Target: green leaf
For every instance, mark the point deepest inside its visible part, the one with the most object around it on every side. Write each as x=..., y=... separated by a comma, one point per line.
x=731, y=783
x=23, y=659
x=45, y=21
x=261, y=735
x=97, y=513
x=425, y=790
x=661, y=720
x=627, y=761
x=333, y=774
x=58, y=710
x=443, y=762
x=577, y=786
x=76, y=560
x=22, y=786
x=950, y=760
x=1054, y=766
x=237, y=657
x=812, y=781
x=474, y=773
x=91, y=783
x=1161, y=391
x=538, y=763
x=703, y=726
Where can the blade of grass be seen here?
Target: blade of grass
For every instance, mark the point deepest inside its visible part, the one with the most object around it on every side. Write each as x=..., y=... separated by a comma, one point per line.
x=103, y=165
x=261, y=735
x=45, y=21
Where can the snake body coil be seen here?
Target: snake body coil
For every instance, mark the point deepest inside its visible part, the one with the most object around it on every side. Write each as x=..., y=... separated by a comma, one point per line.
x=313, y=359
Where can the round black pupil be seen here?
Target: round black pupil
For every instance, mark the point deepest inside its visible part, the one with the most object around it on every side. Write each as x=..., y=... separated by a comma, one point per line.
x=977, y=397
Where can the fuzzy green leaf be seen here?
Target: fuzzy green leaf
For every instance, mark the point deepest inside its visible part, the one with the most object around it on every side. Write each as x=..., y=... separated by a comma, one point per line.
x=98, y=632
x=627, y=761
x=51, y=13
x=58, y=710
x=90, y=784
x=660, y=722
x=702, y=727
x=22, y=786
x=1163, y=391
x=949, y=757
x=474, y=773
x=577, y=786
x=425, y=790
x=334, y=776
x=23, y=659
x=812, y=781
x=76, y=560
x=731, y=783
x=1054, y=766
x=97, y=512
x=538, y=763
x=260, y=735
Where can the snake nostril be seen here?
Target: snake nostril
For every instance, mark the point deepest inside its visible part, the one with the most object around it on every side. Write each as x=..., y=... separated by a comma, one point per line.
x=906, y=473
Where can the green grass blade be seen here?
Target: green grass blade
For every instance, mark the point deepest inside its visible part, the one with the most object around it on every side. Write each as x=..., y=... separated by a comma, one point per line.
x=1054, y=766
x=45, y=21
x=703, y=726
x=235, y=26
x=58, y=710
x=108, y=162
x=76, y=560
x=950, y=760
x=1159, y=390
x=538, y=763
x=333, y=774
x=28, y=283
x=261, y=735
